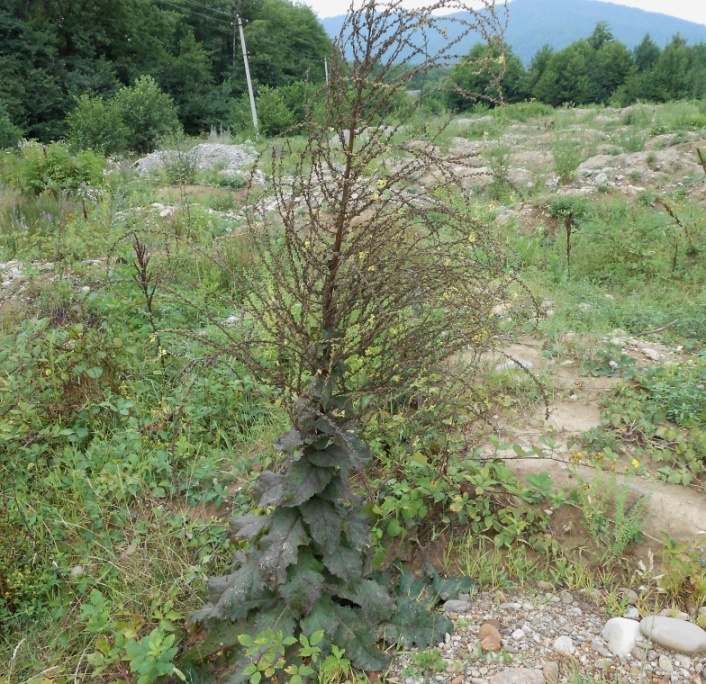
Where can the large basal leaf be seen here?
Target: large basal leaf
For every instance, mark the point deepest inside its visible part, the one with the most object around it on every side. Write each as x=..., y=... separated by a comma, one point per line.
x=359, y=639
x=375, y=603
x=270, y=487
x=302, y=481
x=345, y=563
x=246, y=592
x=323, y=522
x=323, y=616
x=248, y=526
x=221, y=636
x=357, y=530
x=281, y=545
x=414, y=625
x=347, y=452
x=303, y=589
x=445, y=588
x=289, y=442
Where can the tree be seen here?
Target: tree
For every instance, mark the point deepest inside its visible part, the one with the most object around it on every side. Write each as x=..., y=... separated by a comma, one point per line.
x=489, y=73
x=287, y=44
x=567, y=76
x=670, y=73
x=645, y=54
x=361, y=299
x=148, y=114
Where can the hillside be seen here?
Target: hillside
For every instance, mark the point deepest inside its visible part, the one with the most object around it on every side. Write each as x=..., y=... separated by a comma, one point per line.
x=534, y=23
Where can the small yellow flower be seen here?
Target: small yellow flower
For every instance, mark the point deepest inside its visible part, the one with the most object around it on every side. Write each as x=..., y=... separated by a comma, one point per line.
x=635, y=463
x=375, y=197
x=382, y=184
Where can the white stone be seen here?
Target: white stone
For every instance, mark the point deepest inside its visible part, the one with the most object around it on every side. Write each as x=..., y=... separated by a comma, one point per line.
x=518, y=675
x=674, y=634
x=620, y=635
x=632, y=613
x=652, y=354
x=564, y=645
x=665, y=664
x=518, y=634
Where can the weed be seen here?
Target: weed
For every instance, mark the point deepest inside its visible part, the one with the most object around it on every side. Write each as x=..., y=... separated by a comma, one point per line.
x=611, y=519
x=567, y=157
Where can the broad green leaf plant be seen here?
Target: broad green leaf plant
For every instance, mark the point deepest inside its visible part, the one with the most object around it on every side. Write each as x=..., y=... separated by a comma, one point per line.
x=370, y=284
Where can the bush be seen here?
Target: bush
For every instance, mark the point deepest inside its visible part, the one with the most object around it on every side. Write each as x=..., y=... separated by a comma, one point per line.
x=53, y=168
x=97, y=125
x=148, y=114
x=10, y=134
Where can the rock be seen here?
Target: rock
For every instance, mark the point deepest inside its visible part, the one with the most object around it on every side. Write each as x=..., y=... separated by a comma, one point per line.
x=518, y=635
x=457, y=680
x=674, y=634
x=455, y=606
x=510, y=606
x=551, y=672
x=683, y=661
x=601, y=178
x=490, y=639
x=598, y=645
x=620, y=635
x=564, y=645
x=517, y=675
x=676, y=614
x=632, y=613
x=702, y=611
x=652, y=354
x=665, y=664
x=631, y=596
x=566, y=597
x=544, y=585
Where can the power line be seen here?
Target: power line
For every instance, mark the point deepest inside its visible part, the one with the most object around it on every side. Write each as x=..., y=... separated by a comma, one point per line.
x=208, y=8
x=198, y=14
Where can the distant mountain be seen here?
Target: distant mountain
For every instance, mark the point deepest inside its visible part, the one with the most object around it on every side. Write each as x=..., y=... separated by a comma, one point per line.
x=534, y=23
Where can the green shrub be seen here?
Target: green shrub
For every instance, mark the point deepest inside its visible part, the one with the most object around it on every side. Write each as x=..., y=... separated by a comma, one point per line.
x=42, y=168
x=97, y=125
x=148, y=113
x=273, y=113
x=10, y=134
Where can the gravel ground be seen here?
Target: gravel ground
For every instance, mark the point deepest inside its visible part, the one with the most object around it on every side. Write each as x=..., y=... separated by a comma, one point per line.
x=544, y=636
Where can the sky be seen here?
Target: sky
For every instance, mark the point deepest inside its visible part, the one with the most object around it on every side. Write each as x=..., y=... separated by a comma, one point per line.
x=691, y=10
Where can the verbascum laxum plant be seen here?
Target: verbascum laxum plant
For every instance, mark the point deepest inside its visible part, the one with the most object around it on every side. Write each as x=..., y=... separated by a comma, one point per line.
x=363, y=289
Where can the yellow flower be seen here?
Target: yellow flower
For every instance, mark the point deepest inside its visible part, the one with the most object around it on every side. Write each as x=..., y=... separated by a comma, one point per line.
x=382, y=184
x=635, y=463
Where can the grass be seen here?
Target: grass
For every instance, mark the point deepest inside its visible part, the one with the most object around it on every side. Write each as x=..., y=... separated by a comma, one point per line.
x=126, y=445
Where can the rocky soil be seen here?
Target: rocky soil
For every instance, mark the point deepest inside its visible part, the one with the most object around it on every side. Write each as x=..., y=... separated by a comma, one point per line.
x=545, y=635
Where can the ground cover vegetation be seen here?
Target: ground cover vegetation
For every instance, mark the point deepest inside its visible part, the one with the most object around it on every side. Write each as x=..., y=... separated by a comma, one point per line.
x=293, y=387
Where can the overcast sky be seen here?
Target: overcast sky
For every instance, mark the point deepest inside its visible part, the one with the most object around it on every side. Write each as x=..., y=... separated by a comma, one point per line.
x=692, y=10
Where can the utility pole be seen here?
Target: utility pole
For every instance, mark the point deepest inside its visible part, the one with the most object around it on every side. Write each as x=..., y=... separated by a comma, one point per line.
x=247, y=74
x=326, y=68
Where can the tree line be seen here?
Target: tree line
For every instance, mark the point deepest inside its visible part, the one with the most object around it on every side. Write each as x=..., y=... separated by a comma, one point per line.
x=52, y=52
x=595, y=70
x=118, y=75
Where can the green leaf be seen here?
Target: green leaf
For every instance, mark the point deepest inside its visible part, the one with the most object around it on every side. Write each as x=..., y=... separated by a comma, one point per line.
x=373, y=599
x=303, y=589
x=414, y=625
x=246, y=591
x=302, y=481
x=289, y=442
x=270, y=487
x=359, y=641
x=324, y=523
x=281, y=545
x=248, y=526
x=323, y=617
x=345, y=563
x=445, y=588
x=357, y=531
